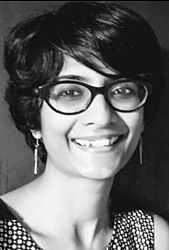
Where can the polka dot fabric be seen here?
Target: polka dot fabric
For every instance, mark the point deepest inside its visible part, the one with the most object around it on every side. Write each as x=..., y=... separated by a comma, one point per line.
x=14, y=236
x=131, y=231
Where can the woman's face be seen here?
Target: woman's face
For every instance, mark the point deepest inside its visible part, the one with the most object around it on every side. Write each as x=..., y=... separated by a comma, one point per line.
x=76, y=143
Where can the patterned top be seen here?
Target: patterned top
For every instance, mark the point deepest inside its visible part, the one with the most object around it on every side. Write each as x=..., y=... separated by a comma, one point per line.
x=131, y=230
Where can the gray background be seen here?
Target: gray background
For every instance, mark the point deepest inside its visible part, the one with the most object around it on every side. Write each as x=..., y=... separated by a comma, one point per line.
x=148, y=184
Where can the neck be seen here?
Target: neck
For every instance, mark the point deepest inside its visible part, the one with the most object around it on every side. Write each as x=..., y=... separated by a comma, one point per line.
x=82, y=198
x=74, y=207
x=77, y=200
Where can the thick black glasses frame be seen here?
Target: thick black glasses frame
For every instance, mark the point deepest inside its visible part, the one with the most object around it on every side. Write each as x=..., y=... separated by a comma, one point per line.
x=43, y=92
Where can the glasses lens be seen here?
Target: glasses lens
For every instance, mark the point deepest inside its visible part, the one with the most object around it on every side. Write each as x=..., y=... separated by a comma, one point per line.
x=127, y=96
x=69, y=97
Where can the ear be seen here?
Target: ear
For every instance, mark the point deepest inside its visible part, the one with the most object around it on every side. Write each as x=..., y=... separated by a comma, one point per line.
x=36, y=134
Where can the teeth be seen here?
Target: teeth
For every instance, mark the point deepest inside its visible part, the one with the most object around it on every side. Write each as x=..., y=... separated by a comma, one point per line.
x=97, y=143
x=100, y=143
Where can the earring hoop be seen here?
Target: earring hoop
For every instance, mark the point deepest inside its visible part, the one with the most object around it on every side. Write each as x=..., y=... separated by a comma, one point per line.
x=36, y=157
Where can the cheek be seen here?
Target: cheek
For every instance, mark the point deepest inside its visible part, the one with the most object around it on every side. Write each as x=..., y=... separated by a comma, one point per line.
x=134, y=123
x=135, y=126
x=55, y=127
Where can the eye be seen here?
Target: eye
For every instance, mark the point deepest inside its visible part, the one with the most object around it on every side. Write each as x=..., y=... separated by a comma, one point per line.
x=70, y=93
x=124, y=90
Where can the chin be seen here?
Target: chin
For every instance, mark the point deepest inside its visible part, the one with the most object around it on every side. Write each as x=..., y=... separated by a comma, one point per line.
x=100, y=172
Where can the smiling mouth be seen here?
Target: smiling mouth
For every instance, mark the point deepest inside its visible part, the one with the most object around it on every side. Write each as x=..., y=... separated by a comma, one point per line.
x=98, y=143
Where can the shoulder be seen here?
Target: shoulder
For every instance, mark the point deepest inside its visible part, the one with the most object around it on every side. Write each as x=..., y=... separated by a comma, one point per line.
x=161, y=229
x=10, y=204
x=20, y=200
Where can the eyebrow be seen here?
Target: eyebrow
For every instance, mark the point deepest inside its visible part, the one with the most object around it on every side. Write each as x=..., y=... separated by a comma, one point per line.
x=85, y=79
x=73, y=77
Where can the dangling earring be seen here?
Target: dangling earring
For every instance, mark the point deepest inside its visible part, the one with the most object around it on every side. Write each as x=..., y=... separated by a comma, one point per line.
x=141, y=150
x=36, y=157
x=141, y=146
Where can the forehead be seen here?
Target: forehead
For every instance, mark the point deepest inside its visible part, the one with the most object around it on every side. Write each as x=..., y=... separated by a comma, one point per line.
x=73, y=67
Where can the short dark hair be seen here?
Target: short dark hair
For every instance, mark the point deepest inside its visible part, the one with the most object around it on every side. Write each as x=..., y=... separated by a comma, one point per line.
x=86, y=30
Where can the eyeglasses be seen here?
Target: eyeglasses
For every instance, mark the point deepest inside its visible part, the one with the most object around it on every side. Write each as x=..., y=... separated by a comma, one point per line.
x=73, y=97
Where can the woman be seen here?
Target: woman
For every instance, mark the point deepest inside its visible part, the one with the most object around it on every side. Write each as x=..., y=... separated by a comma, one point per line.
x=83, y=82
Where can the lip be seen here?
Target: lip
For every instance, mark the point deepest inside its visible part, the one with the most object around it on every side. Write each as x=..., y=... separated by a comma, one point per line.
x=97, y=137
x=98, y=143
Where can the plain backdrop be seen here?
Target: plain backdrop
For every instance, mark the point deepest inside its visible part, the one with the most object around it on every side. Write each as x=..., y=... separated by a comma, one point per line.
x=136, y=185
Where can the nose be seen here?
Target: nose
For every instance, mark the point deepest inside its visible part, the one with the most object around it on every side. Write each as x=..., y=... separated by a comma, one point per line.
x=99, y=113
